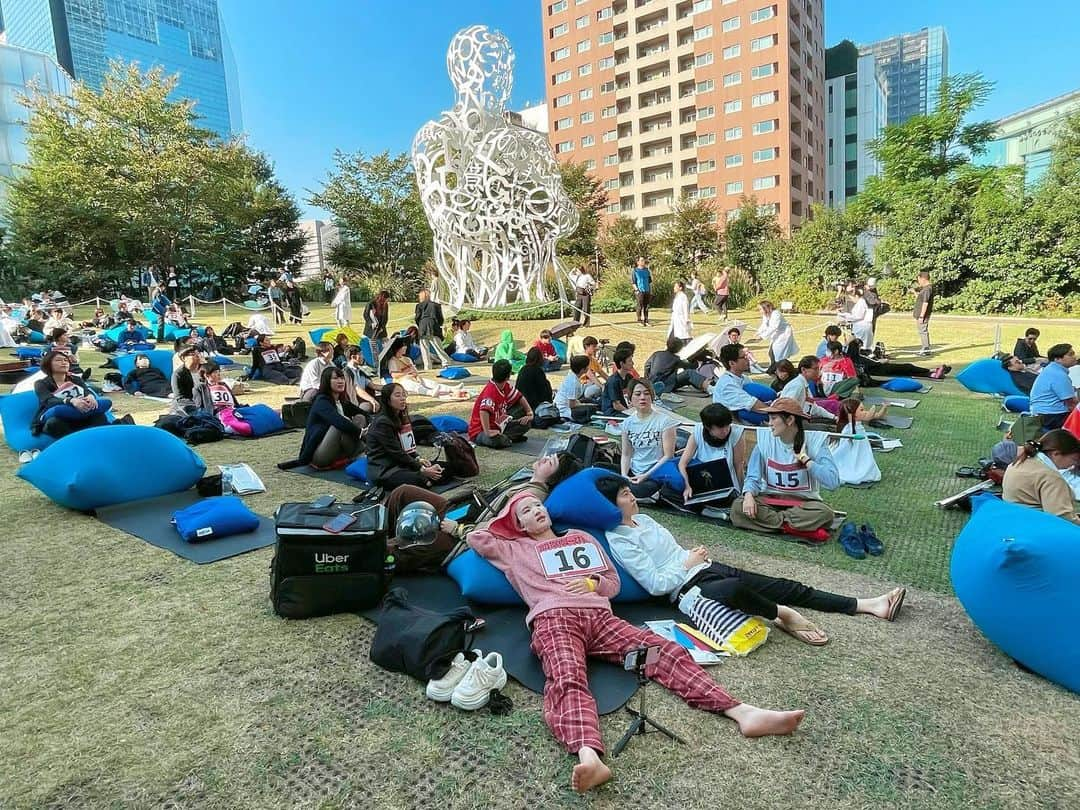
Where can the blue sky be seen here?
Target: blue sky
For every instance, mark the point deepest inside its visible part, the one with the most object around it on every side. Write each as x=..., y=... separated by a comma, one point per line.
x=365, y=74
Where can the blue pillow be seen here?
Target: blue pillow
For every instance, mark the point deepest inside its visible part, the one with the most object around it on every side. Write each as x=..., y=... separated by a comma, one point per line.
x=222, y=360
x=36, y=337
x=988, y=377
x=482, y=582
x=448, y=423
x=762, y=393
x=28, y=352
x=902, y=385
x=577, y=502
x=358, y=469
x=161, y=359
x=455, y=373
x=102, y=466
x=461, y=357
x=669, y=474
x=1017, y=404
x=17, y=412
x=213, y=518
x=262, y=418
x=1013, y=569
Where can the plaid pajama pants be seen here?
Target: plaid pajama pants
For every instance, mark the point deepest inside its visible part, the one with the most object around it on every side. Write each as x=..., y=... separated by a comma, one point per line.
x=563, y=637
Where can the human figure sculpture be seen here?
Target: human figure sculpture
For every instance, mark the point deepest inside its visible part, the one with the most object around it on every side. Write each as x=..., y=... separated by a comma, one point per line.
x=491, y=190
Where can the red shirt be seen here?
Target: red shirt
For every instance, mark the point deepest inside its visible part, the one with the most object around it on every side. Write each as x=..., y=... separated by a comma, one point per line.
x=834, y=370
x=494, y=400
x=547, y=349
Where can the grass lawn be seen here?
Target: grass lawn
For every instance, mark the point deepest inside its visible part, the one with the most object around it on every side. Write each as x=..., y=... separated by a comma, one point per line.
x=133, y=678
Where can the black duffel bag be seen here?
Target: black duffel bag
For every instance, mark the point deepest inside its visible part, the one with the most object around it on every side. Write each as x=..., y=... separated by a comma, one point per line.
x=419, y=642
x=316, y=572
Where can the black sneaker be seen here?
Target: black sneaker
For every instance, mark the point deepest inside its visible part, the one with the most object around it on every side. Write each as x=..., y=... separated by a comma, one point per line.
x=126, y=419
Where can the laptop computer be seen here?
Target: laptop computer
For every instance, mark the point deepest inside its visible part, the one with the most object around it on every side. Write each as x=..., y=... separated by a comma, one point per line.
x=709, y=481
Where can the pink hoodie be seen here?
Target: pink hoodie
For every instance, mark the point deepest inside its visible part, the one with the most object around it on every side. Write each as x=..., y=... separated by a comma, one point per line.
x=539, y=569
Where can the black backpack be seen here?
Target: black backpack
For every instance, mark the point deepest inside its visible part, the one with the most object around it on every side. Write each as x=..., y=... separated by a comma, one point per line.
x=459, y=458
x=419, y=642
x=592, y=453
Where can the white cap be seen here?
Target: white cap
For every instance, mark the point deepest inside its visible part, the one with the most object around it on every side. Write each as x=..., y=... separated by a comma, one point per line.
x=871, y=282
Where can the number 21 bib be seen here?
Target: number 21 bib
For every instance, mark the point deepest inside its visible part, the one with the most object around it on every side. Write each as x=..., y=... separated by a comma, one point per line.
x=570, y=557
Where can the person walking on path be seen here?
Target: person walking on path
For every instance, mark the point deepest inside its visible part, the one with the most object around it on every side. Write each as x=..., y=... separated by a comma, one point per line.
x=698, y=289
x=641, y=278
x=429, y=325
x=342, y=304
x=721, y=289
x=296, y=306
x=924, y=308
x=328, y=287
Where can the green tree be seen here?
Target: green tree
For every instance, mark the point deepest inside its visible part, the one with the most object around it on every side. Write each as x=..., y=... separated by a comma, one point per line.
x=588, y=195
x=623, y=240
x=376, y=205
x=690, y=237
x=825, y=249
x=747, y=236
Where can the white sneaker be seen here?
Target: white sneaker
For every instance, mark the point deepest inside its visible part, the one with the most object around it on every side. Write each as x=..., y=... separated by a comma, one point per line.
x=484, y=675
x=25, y=457
x=443, y=688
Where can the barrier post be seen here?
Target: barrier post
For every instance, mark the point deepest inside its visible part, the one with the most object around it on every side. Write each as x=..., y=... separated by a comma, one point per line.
x=224, y=311
x=191, y=305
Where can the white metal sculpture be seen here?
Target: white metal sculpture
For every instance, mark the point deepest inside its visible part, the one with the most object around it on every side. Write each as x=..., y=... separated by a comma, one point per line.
x=491, y=190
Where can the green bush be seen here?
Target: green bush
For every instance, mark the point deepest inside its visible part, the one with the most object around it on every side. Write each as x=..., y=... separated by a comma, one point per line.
x=804, y=298
x=546, y=311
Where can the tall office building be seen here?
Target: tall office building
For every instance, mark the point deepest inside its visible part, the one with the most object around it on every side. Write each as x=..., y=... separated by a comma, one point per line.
x=913, y=66
x=182, y=36
x=855, y=114
x=713, y=99
x=1027, y=138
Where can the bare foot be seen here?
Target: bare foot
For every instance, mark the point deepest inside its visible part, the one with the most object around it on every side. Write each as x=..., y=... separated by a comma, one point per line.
x=884, y=606
x=591, y=771
x=755, y=722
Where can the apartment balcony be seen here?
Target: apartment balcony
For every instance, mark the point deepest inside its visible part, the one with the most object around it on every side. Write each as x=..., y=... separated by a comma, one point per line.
x=654, y=82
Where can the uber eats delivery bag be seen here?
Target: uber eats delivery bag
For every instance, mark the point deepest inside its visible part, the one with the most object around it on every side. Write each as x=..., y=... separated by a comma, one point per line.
x=316, y=572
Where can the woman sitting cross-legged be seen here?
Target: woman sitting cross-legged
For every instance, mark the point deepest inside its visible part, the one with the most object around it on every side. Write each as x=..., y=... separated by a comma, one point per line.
x=393, y=458
x=570, y=618
x=1036, y=477
x=404, y=372
x=214, y=396
x=146, y=381
x=532, y=382
x=648, y=440
x=716, y=438
x=788, y=468
x=650, y=555
x=65, y=402
x=333, y=435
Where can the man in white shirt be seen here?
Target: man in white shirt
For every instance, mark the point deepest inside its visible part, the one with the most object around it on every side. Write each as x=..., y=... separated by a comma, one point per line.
x=584, y=287
x=729, y=390
x=309, y=380
x=798, y=389
x=569, y=399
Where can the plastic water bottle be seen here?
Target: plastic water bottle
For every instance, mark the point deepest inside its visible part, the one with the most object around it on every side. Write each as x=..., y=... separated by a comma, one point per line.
x=226, y=482
x=388, y=567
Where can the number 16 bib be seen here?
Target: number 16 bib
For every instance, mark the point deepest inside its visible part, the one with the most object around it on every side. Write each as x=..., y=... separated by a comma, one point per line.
x=570, y=557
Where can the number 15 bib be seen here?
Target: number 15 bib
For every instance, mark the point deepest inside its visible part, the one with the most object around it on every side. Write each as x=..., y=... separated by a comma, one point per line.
x=570, y=557
x=787, y=477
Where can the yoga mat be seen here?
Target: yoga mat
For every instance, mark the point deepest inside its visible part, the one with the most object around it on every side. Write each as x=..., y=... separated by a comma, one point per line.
x=150, y=520
x=533, y=444
x=340, y=477
x=899, y=402
x=899, y=422
x=506, y=634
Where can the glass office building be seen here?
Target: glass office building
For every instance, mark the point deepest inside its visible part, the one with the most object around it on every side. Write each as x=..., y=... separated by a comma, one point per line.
x=913, y=66
x=856, y=101
x=1027, y=138
x=184, y=37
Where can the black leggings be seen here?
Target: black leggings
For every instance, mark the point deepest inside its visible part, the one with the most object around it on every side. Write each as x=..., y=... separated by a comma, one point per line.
x=759, y=595
x=896, y=369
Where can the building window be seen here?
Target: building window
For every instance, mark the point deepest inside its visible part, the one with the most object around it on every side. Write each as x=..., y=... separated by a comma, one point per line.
x=764, y=127
x=607, y=87
x=830, y=151
x=732, y=51
x=733, y=106
x=563, y=123
x=604, y=13
x=609, y=112
x=730, y=24
x=702, y=5
x=830, y=99
x=706, y=112
x=585, y=94
x=587, y=140
x=611, y=160
x=708, y=191
x=606, y=38
x=585, y=118
x=764, y=99
x=581, y=22
x=614, y=208
x=734, y=187
x=560, y=77
x=611, y=135
x=584, y=45
x=606, y=63
x=772, y=153
x=704, y=87
x=732, y=133
x=706, y=139
x=732, y=215
x=584, y=70
x=565, y=146
x=556, y=7
x=732, y=79
x=733, y=161
x=761, y=71
x=562, y=101
x=703, y=59
x=762, y=183
x=611, y=184
x=559, y=53
x=762, y=14
x=559, y=30
x=702, y=33
x=590, y=164
x=706, y=166
x=769, y=209
x=761, y=43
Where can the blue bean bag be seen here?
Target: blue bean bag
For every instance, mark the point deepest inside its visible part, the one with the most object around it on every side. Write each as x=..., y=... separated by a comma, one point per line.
x=577, y=502
x=454, y=373
x=161, y=359
x=1017, y=404
x=262, y=418
x=560, y=348
x=102, y=466
x=669, y=474
x=448, y=423
x=213, y=518
x=222, y=360
x=29, y=352
x=901, y=385
x=461, y=357
x=37, y=337
x=17, y=412
x=174, y=332
x=368, y=352
x=358, y=470
x=988, y=377
x=762, y=393
x=1014, y=569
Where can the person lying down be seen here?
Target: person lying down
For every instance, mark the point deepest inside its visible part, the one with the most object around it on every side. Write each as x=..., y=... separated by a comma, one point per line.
x=570, y=618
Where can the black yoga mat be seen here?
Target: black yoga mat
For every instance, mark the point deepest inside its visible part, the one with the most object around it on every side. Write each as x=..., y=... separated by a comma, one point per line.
x=506, y=634
x=340, y=477
x=150, y=520
x=893, y=421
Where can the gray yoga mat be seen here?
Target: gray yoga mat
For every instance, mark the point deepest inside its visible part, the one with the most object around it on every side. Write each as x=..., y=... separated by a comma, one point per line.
x=340, y=477
x=150, y=520
x=898, y=402
x=534, y=443
x=893, y=421
x=506, y=634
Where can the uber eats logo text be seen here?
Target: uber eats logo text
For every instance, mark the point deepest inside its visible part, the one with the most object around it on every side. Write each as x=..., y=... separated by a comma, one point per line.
x=331, y=563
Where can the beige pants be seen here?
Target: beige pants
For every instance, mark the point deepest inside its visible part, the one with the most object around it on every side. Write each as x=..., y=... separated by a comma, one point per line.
x=807, y=516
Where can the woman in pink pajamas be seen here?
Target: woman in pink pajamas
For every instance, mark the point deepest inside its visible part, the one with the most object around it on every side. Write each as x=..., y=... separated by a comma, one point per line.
x=214, y=395
x=567, y=582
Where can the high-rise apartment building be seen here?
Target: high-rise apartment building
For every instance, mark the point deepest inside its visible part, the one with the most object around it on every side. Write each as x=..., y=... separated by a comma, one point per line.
x=182, y=36
x=855, y=114
x=913, y=66
x=713, y=99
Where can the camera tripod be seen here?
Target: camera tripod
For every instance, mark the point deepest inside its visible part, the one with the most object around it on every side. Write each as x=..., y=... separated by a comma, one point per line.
x=641, y=721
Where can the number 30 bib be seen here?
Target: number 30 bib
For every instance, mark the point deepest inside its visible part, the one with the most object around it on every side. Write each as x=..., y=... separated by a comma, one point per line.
x=787, y=477
x=570, y=557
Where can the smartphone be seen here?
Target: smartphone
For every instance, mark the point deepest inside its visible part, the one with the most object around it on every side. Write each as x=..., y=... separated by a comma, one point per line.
x=324, y=501
x=340, y=523
x=641, y=657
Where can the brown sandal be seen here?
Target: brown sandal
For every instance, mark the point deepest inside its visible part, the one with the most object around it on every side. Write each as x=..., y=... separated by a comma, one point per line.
x=896, y=601
x=801, y=631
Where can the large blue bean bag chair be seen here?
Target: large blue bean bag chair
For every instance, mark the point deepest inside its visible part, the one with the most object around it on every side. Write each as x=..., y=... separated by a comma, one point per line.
x=577, y=502
x=1017, y=404
x=988, y=377
x=358, y=470
x=762, y=393
x=560, y=348
x=102, y=466
x=448, y=423
x=461, y=357
x=454, y=373
x=113, y=333
x=1014, y=569
x=161, y=359
x=17, y=412
x=669, y=474
x=37, y=337
x=367, y=351
x=174, y=332
x=29, y=352
x=262, y=418
x=902, y=385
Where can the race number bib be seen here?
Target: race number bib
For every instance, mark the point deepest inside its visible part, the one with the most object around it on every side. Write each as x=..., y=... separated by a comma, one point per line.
x=221, y=395
x=787, y=477
x=271, y=356
x=570, y=557
x=408, y=439
x=829, y=379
